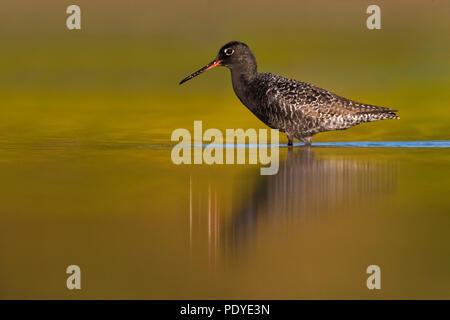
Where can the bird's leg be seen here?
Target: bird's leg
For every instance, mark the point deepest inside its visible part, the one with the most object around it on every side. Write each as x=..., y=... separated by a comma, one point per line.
x=290, y=141
x=307, y=141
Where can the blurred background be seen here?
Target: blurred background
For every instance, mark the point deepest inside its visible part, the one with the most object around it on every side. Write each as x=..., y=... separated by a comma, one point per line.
x=118, y=76
x=85, y=172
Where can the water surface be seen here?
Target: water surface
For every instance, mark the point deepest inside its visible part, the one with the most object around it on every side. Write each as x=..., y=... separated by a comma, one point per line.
x=141, y=227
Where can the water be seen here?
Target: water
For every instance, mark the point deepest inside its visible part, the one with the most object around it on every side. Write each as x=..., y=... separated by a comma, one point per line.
x=389, y=144
x=141, y=227
x=358, y=144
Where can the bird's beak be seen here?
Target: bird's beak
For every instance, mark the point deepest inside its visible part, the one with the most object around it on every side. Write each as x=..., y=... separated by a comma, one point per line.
x=210, y=65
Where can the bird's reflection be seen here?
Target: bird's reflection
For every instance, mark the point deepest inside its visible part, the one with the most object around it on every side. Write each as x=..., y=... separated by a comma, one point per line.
x=310, y=183
x=307, y=185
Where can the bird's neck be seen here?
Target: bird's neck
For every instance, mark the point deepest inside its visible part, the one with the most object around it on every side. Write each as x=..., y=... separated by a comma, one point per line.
x=241, y=77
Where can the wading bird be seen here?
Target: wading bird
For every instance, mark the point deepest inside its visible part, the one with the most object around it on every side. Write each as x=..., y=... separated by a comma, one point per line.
x=298, y=109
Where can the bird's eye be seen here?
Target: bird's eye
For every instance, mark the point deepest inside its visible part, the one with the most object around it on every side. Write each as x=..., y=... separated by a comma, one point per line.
x=228, y=51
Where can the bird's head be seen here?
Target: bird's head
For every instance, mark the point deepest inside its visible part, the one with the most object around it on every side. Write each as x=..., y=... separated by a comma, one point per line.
x=234, y=55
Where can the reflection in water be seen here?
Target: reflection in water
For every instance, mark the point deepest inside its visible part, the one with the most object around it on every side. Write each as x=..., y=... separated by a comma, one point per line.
x=307, y=185
x=204, y=220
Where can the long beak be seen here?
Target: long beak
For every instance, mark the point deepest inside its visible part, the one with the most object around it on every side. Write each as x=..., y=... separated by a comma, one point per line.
x=210, y=65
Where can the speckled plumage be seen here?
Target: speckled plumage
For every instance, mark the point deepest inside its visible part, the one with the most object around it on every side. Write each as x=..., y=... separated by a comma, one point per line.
x=301, y=110
x=297, y=108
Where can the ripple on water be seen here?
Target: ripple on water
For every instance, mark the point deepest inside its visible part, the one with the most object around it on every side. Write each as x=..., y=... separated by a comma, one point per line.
x=357, y=144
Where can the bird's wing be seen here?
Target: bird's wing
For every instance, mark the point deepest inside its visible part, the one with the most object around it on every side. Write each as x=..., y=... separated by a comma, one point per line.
x=312, y=101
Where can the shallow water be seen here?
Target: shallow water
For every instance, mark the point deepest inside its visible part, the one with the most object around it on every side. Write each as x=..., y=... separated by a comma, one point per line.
x=358, y=144
x=141, y=227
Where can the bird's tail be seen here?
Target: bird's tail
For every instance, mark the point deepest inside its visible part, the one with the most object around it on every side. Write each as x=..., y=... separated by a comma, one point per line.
x=378, y=114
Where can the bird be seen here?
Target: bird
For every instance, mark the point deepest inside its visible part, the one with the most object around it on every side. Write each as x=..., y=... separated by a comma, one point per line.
x=297, y=108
